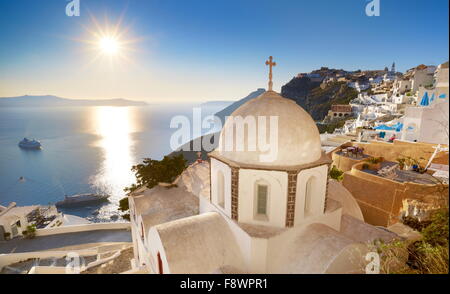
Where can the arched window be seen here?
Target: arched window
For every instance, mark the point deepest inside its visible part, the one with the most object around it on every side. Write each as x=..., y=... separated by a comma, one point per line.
x=262, y=192
x=142, y=231
x=160, y=264
x=309, y=189
x=221, y=189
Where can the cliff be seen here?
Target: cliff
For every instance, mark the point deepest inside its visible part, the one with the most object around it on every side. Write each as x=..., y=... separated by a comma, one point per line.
x=317, y=100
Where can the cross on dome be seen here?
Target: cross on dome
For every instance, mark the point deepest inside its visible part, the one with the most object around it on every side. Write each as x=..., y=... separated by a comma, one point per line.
x=270, y=63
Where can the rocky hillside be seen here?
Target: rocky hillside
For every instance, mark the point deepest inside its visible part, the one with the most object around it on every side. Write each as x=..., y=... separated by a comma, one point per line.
x=317, y=99
x=231, y=108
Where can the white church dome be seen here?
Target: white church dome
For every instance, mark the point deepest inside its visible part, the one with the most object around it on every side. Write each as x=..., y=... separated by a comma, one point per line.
x=298, y=137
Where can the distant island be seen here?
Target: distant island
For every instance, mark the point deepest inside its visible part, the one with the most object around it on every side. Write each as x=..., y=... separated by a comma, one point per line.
x=49, y=100
x=222, y=104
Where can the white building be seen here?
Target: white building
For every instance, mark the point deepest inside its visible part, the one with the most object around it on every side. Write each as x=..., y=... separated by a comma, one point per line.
x=389, y=77
x=14, y=220
x=359, y=86
x=422, y=76
x=282, y=216
x=351, y=126
x=440, y=84
x=429, y=122
x=401, y=86
x=365, y=99
x=376, y=80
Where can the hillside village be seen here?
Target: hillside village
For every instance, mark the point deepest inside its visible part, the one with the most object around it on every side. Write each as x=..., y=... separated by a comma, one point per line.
x=378, y=177
x=388, y=98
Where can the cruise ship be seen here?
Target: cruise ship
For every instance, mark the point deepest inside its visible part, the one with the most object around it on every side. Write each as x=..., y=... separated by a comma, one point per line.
x=81, y=200
x=30, y=144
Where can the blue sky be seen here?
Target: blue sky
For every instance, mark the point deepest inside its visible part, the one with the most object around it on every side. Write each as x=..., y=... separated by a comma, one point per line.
x=208, y=50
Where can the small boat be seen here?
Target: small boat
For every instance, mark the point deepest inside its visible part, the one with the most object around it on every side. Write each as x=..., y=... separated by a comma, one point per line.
x=81, y=200
x=30, y=144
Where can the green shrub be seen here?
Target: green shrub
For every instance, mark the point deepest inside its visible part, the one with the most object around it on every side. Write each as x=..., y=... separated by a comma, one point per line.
x=436, y=233
x=336, y=173
x=408, y=160
x=30, y=232
x=431, y=259
x=414, y=223
x=401, y=162
x=426, y=256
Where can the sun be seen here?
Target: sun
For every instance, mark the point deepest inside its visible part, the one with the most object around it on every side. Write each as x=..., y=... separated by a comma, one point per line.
x=109, y=45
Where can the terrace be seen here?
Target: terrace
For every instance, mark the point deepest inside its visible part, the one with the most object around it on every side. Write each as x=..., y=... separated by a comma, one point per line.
x=391, y=170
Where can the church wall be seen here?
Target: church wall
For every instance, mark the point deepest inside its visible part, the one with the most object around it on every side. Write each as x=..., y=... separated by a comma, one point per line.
x=207, y=245
x=135, y=233
x=351, y=260
x=243, y=240
x=155, y=246
x=217, y=166
x=318, y=189
x=135, y=245
x=142, y=252
x=274, y=262
x=277, y=199
x=259, y=262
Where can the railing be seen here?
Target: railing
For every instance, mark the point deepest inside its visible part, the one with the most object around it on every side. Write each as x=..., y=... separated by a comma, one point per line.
x=83, y=228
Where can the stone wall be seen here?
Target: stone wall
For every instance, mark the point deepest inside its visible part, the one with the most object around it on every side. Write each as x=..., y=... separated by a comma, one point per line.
x=292, y=190
x=344, y=163
x=380, y=199
x=234, y=192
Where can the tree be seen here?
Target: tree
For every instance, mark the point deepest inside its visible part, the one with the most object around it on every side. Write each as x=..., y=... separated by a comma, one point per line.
x=151, y=172
x=124, y=207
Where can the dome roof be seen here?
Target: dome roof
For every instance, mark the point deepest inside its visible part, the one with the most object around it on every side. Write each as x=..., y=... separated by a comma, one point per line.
x=298, y=136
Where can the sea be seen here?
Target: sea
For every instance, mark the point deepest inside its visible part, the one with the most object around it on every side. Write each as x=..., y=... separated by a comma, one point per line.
x=84, y=150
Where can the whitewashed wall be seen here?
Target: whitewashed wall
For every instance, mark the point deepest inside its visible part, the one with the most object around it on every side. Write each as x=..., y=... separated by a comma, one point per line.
x=155, y=245
x=217, y=166
x=277, y=198
x=318, y=190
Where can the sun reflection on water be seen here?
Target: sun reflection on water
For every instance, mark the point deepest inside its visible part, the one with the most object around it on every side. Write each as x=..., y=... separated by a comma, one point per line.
x=114, y=126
